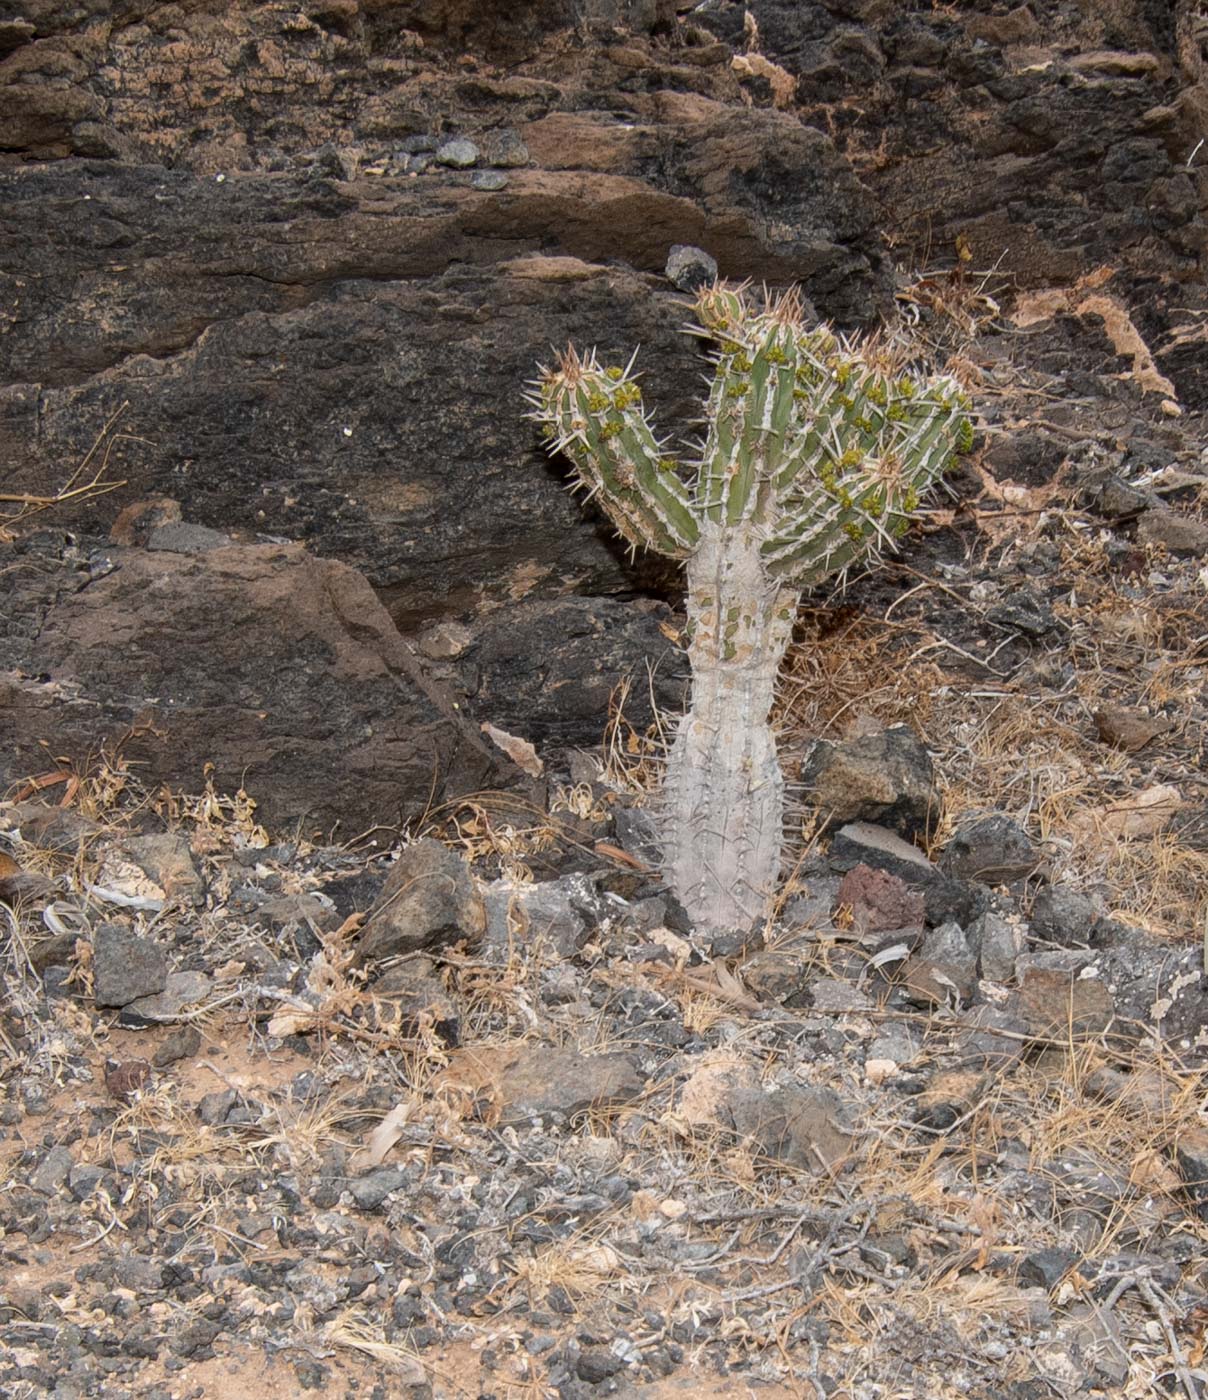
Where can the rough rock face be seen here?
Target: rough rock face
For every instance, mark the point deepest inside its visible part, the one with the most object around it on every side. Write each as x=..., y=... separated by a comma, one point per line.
x=1048, y=140
x=281, y=670
x=227, y=233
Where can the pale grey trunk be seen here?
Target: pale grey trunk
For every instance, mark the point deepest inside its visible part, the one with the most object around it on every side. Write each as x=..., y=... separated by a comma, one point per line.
x=724, y=792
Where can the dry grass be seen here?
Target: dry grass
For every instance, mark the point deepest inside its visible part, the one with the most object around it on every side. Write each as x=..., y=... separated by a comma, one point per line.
x=78, y=485
x=1027, y=745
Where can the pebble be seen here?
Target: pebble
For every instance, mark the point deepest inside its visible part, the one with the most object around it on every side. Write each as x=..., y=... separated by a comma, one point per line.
x=488, y=180
x=505, y=148
x=458, y=153
x=370, y=1190
x=52, y=1171
x=125, y=966
x=178, y=1045
x=689, y=268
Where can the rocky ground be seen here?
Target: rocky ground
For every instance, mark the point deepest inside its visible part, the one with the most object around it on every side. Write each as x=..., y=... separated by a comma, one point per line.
x=299, y=1095
x=475, y=1112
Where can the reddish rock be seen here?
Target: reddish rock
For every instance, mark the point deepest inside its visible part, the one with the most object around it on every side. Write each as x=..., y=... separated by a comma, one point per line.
x=880, y=901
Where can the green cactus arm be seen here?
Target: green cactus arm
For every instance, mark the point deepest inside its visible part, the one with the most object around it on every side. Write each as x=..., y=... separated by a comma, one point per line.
x=827, y=523
x=595, y=417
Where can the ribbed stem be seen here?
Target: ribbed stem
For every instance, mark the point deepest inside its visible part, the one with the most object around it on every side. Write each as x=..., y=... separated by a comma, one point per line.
x=724, y=793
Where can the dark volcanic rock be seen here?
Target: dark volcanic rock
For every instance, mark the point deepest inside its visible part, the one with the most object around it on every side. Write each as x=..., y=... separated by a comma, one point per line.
x=885, y=777
x=125, y=966
x=1063, y=916
x=865, y=843
x=991, y=848
x=281, y=670
x=336, y=365
x=547, y=670
x=429, y=900
x=802, y=1127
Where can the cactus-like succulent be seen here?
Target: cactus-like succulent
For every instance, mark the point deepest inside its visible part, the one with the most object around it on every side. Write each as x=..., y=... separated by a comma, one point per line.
x=818, y=452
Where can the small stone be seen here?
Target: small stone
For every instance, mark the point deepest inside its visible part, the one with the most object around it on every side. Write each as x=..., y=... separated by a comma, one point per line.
x=944, y=968
x=417, y=143
x=1063, y=916
x=1057, y=998
x=1180, y=534
x=1025, y=613
x=637, y=834
x=597, y=1364
x=370, y=1191
x=998, y=942
x=505, y=149
x=138, y=1273
x=214, y=1108
x=125, y=1078
x=944, y=897
x=1096, y=1338
x=488, y=180
x=1045, y=1268
x=1119, y=500
x=689, y=269
x=991, y=848
x=125, y=966
x=896, y=1043
x=429, y=900
x=990, y=1038
x=879, y=901
x=801, y=1127
x=886, y=777
x=458, y=153
x=1127, y=729
x=52, y=1171
x=196, y=1338
x=562, y=914
x=833, y=994
x=772, y=975
x=83, y=1179
x=183, y=1042
x=1191, y=1155
x=181, y=991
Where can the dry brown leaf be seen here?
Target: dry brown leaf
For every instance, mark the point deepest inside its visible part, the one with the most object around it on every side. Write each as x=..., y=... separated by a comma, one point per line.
x=286, y=1023
x=1142, y=815
x=606, y=848
x=520, y=751
x=383, y=1137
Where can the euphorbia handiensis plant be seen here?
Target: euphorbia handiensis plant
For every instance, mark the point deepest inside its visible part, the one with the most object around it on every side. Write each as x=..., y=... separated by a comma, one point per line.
x=817, y=452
